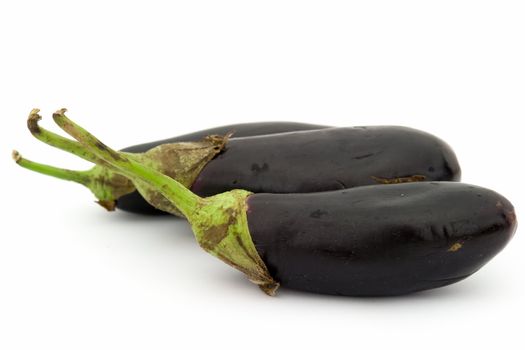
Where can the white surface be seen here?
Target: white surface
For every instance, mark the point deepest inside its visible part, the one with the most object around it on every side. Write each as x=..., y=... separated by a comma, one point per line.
x=75, y=277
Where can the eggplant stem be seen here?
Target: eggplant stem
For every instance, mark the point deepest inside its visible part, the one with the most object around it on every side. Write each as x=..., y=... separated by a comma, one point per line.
x=184, y=199
x=106, y=185
x=81, y=177
x=220, y=222
x=56, y=140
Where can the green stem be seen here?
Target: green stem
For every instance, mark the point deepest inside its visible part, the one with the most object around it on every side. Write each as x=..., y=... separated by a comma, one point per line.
x=106, y=185
x=81, y=177
x=55, y=140
x=184, y=199
x=220, y=222
x=182, y=161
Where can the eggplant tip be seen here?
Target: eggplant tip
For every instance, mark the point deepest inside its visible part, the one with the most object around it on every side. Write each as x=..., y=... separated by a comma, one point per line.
x=109, y=205
x=269, y=288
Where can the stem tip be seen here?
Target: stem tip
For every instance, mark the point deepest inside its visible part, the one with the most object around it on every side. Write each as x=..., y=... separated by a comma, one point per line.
x=60, y=112
x=17, y=157
x=32, y=121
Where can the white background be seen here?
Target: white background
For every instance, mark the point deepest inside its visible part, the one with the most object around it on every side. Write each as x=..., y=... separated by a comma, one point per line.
x=75, y=277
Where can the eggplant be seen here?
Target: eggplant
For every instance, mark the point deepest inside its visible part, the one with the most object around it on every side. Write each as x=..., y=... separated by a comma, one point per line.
x=133, y=202
x=328, y=159
x=321, y=160
x=366, y=241
x=294, y=162
x=379, y=240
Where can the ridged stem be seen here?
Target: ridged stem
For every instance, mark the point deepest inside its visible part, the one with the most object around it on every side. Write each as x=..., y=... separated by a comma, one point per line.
x=184, y=199
x=56, y=140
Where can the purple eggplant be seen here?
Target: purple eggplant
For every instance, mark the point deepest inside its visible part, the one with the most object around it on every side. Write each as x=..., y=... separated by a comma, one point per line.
x=135, y=203
x=328, y=159
x=379, y=240
x=366, y=241
x=293, y=162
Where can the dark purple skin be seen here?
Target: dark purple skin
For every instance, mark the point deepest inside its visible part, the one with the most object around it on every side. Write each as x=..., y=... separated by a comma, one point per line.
x=326, y=160
x=238, y=130
x=379, y=240
x=134, y=202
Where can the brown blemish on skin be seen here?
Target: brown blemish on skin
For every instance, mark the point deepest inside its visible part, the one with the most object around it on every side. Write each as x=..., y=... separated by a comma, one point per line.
x=399, y=180
x=455, y=247
x=511, y=216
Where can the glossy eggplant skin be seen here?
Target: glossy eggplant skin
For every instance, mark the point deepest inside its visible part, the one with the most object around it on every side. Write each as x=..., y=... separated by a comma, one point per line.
x=326, y=160
x=133, y=202
x=238, y=130
x=379, y=240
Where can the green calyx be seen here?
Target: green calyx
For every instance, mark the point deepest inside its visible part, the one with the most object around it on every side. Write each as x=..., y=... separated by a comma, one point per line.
x=106, y=185
x=219, y=222
x=182, y=161
x=221, y=228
